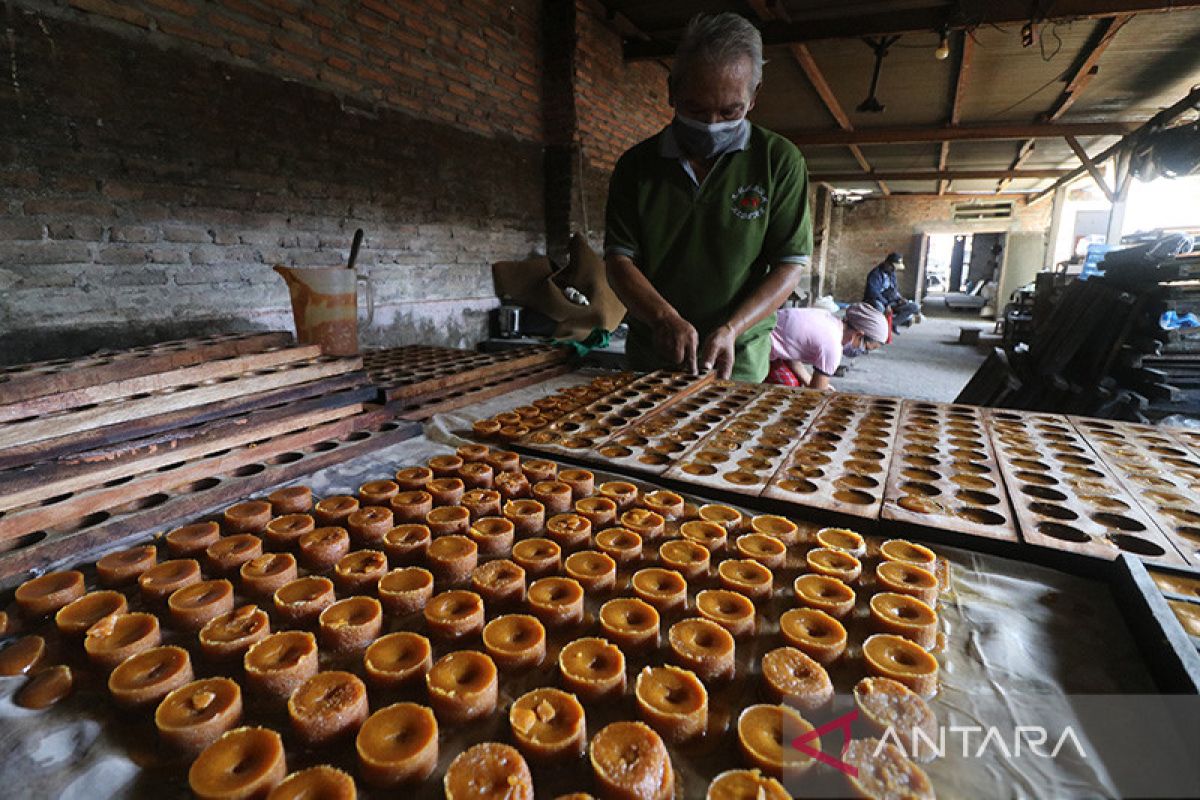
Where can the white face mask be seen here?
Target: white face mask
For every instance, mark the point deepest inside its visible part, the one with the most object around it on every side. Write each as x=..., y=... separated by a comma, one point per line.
x=704, y=139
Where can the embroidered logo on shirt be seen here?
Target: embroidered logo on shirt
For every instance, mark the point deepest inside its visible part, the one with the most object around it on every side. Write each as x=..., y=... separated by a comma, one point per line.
x=749, y=202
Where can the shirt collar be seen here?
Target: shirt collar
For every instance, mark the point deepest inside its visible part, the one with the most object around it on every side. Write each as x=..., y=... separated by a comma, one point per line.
x=668, y=145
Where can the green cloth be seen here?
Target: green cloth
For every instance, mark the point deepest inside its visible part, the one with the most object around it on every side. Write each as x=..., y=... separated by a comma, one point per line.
x=706, y=248
x=596, y=340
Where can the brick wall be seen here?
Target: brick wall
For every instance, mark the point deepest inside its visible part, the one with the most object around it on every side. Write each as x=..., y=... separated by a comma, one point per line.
x=861, y=235
x=152, y=168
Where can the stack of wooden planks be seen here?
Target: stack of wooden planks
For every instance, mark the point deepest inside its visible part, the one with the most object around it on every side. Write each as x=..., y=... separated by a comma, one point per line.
x=80, y=438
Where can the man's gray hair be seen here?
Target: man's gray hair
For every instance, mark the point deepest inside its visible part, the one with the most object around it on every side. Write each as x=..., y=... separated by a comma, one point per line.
x=718, y=39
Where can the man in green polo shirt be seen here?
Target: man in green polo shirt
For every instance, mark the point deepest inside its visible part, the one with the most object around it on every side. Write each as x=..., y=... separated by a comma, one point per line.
x=708, y=228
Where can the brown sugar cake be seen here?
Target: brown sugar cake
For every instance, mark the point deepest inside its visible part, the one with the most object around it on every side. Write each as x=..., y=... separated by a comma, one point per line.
x=555, y=496
x=368, y=525
x=596, y=572
x=780, y=528
x=45, y=688
x=512, y=485
x=327, y=707
x=732, y=611
x=767, y=550
x=814, y=633
x=477, y=475
x=280, y=663
x=411, y=505
x=515, y=641
x=667, y=504
x=689, y=559
x=883, y=772
x=76, y=617
x=727, y=517
x=761, y=730
x=747, y=577
x=581, y=481
x=833, y=563
x=251, y=516
x=908, y=553
x=622, y=545
x=158, y=582
x=359, y=572
x=260, y=577
x=600, y=511
x=146, y=678
x=115, y=638
x=463, y=686
x=407, y=543
x=398, y=744
x=226, y=555
x=446, y=491
x=569, y=531
x=885, y=704
x=824, y=593
x=46, y=594
x=746, y=784
x=377, y=493
x=452, y=558
x=195, y=715
x=446, y=520
x=350, y=624
x=623, y=493
x=842, y=539
x=504, y=461
x=527, y=516
x=665, y=589
x=230, y=635
x=556, y=601
x=413, y=478
x=904, y=578
x=482, y=503
x=301, y=601
x=192, y=540
x=631, y=624
x=905, y=616
x=499, y=582
x=446, y=466
x=22, y=656
x=243, y=763
x=454, y=614
x=704, y=647
x=335, y=510
x=673, y=701
x=292, y=500
x=284, y=532
x=397, y=659
x=125, y=566
x=592, y=668
x=630, y=762
x=537, y=470
x=706, y=533
x=548, y=725
x=321, y=548
x=789, y=674
x=476, y=773
x=649, y=525
x=493, y=535
x=406, y=590
x=537, y=556
x=322, y=782
x=889, y=656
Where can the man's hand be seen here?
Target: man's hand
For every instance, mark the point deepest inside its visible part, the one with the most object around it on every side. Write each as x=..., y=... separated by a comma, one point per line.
x=717, y=353
x=676, y=340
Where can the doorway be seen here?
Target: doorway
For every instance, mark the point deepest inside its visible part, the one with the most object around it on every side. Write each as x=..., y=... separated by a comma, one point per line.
x=962, y=270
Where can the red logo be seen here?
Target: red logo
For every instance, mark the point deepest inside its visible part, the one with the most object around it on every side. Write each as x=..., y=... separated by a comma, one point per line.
x=842, y=723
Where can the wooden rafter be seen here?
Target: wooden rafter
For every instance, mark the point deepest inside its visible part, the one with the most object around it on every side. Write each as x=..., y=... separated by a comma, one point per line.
x=960, y=90
x=943, y=175
x=962, y=133
x=1091, y=167
x=1023, y=154
x=839, y=22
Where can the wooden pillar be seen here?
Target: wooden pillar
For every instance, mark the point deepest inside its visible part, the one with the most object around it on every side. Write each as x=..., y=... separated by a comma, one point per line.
x=1056, y=221
x=822, y=216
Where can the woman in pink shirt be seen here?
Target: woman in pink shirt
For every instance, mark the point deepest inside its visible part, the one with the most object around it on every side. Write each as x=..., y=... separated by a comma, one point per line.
x=807, y=343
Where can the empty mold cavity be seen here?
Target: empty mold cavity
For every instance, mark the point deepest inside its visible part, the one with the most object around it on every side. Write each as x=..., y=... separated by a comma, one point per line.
x=1053, y=511
x=1136, y=545
x=978, y=498
x=285, y=458
x=853, y=496
x=1066, y=533
x=201, y=485
x=247, y=470
x=142, y=503
x=1117, y=521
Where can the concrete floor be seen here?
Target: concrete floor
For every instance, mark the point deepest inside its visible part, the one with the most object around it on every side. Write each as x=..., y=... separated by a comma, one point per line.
x=925, y=362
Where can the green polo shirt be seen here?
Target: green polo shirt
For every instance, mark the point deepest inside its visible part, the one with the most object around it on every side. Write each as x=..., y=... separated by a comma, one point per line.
x=705, y=247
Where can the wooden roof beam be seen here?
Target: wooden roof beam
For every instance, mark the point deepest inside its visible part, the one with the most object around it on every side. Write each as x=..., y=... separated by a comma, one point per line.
x=841, y=23
x=941, y=175
x=961, y=133
x=1092, y=169
x=960, y=90
x=1023, y=154
x=1088, y=66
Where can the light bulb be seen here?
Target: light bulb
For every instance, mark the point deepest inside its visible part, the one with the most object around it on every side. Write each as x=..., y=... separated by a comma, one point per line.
x=943, y=50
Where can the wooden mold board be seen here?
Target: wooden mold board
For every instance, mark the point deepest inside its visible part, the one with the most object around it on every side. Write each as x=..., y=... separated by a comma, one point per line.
x=66, y=509
x=1157, y=470
x=408, y=372
x=1060, y=487
x=139, y=516
x=944, y=475
x=743, y=453
x=27, y=381
x=612, y=415
x=174, y=398
x=493, y=387
x=46, y=449
x=841, y=461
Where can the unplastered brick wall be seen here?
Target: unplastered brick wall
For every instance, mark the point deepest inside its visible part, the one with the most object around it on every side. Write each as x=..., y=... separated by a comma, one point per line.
x=861, y=235
x=618, y=104
x=152, y=171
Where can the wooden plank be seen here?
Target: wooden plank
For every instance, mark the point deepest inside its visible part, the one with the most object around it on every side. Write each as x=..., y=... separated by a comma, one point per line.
x=965, y=57
x=946, y=175
x=1063, y=494
x=1082, y=155
x=371, y=430
x=60, y=446
x=960, y=133
x=68, y=511
x=156, y=382
x=406, y=372
x=166, y=400
x=1088, y=66
x=27, y=381
x=83, y=471
x=943, y=473
x=495, y=387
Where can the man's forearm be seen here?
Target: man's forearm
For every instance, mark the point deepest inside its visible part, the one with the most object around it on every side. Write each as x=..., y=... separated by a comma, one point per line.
x=634, y=289
x=766, y=298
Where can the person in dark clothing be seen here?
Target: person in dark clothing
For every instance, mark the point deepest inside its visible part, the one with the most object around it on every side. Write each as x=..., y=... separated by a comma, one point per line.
x=882, y=293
